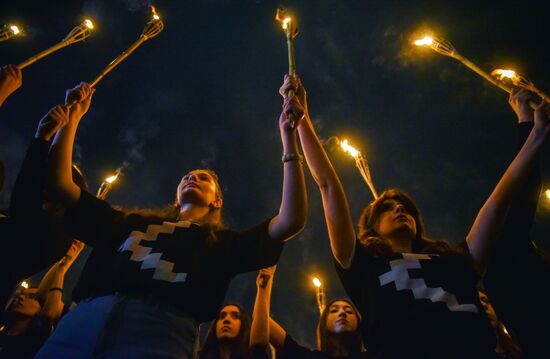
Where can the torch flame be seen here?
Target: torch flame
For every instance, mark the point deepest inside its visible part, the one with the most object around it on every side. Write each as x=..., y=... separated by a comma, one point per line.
x=285, y=22
x=24, y=284
x=547, y=193
x=317, y=282
x=426, y=41
x=89, y=24
x=112, y=178
x=155, y=14
x=14, y=29
x=347, y=148
x=502, y=74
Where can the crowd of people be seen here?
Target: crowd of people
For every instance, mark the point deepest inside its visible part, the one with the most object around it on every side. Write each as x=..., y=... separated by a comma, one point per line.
x=155, y=275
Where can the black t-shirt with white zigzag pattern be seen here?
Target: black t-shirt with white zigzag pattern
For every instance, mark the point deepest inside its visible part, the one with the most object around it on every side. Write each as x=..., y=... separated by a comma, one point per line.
x=172, y=262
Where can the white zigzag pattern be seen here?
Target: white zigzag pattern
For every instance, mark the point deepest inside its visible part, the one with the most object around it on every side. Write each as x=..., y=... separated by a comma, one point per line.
x=163, y=269
x=400, y=275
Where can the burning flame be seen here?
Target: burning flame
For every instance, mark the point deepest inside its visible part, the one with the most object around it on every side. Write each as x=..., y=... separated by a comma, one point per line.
x=547, y=193
x=347, y=148
x=285, y=22
x=24, y=284
x=502, y=74
x=155, y=14
x=89, y=24
x=426, y=41
x=112, y=178
x=14, y=29
x=317, y=282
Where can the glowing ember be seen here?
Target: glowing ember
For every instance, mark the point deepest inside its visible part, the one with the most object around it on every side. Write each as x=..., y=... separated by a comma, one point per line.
x=15, y=29
x=426, y=41
x=89, y=24
x=502, y=74
x=317, y=282
x=347, y=148
x=547, y=193
x=155, y=14
x=111, y=179
x=285, y=22
x=24, y=284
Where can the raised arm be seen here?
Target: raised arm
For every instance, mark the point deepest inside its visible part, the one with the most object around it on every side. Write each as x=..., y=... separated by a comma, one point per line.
x=61, y=153
x=264, y=329
x=10, y=80
x=490, y=219
x=292, y=215
x=335, y=203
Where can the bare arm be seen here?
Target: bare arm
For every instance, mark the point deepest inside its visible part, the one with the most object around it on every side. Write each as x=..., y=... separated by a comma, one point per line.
x=335, y=203
x=490, y=218
x=61, y=152
x=10, y=80
x=264, y=330
x=292, y=215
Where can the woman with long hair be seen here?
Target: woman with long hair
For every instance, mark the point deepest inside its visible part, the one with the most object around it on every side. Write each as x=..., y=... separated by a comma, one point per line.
x=417, y=297
x=338, y=331
x=151, y=279
x=229, y=335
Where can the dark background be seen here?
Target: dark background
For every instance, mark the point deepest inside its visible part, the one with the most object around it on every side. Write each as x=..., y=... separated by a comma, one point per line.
x=204, y=93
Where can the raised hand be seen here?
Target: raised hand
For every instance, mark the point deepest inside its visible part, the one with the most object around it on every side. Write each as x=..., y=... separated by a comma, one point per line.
x=10, y=80
x=519, y=101
x=78, y=98
x=542, y=119
x=294, y=83
x=54, y=120
x=265, y=275
x=291, y=105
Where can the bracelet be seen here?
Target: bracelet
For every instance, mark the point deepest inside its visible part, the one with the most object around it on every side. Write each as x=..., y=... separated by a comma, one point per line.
x=289, y=157
x=56, y=288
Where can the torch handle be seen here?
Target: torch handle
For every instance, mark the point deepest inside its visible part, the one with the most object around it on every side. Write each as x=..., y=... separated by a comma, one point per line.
x=103, y=190
x=118, y=60
x=5, y=34
x=321, y=299
x=33, y=59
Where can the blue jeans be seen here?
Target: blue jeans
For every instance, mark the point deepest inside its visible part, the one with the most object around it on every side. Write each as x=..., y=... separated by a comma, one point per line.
x=115, y=326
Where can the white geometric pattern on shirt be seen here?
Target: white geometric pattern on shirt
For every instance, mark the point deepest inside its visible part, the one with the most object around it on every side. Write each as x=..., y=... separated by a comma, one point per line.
x=163, y=269
x=400, y=275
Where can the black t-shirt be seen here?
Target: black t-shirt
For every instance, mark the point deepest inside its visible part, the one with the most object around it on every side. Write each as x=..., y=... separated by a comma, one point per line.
x=418, y=303
x=173, y=262
x=293, y=350
x=28, y=343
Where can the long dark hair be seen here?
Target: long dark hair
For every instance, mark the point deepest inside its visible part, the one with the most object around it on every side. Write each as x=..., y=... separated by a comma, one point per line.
x=326, y=340
x=376, y=245
x=211, y=347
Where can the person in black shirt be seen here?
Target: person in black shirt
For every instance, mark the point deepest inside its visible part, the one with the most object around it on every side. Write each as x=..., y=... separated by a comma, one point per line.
x=11, y=78
x=417, y=297
x=229, y=335
x=152, y=279
x=338, y=330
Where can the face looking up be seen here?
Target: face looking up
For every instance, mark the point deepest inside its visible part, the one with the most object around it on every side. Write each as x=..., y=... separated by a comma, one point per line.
x=341, y=318
x=199, y=187
x=394, y=220
x=228, y=324
x=26, y=303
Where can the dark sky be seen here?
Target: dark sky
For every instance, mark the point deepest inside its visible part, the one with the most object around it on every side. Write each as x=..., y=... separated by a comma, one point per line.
x=204, y=93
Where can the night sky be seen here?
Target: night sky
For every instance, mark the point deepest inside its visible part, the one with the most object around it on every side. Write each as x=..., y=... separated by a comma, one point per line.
x=205, y=93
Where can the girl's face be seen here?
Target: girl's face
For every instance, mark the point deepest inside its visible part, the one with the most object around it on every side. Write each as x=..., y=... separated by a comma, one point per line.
x=395, y=220
x=228, y=325
x=199, y=187
x=341, y=318
x=26, y=303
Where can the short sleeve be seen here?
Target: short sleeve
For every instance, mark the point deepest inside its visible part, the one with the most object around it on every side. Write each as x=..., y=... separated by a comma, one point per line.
x=254, y=249
x=348, y=277
x=95, y=222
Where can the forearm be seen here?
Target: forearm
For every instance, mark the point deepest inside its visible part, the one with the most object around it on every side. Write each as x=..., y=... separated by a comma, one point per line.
x=53, y=303
x=293, y=210
x=335, y=203
x=61, y=164
x=259, y=330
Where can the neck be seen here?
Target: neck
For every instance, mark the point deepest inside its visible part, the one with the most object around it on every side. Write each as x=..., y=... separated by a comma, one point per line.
x=225, y=351
x=339, y=345
x=401, y=244
x=193, y=213
x=17, y=326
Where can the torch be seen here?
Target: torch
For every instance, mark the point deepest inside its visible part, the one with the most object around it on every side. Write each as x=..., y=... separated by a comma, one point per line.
x=151, y=29
x=291, y=31
x=106, y=185
x=8, y=31
x=519, y=81
x=320, y=295
x=444, y=47
x=77, y=34
x=362, y=165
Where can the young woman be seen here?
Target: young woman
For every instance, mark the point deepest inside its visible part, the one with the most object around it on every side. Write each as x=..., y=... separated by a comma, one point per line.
x=417, y=297
x=338, y=330
x=151, y=280
x=229, y=335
